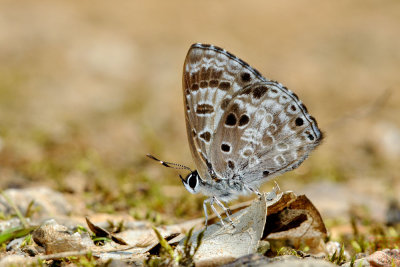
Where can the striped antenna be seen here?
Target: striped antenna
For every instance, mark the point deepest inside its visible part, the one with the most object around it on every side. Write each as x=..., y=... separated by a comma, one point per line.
x=169, y=164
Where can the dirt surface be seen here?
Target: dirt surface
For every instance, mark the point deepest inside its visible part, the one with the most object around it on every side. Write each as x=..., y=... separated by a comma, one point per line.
x=87, y=89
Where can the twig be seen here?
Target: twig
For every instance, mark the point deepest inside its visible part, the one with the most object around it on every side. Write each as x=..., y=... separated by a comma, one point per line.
x=80, y=253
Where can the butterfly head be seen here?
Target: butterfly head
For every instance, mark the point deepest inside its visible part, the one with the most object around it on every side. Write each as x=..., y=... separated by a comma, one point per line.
x=192, y=182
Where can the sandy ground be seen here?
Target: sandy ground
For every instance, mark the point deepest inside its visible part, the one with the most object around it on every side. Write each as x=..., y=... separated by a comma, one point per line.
x=88, y=88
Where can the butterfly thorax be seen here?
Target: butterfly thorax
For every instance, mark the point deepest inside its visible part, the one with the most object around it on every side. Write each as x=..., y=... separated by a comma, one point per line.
x=223, y=189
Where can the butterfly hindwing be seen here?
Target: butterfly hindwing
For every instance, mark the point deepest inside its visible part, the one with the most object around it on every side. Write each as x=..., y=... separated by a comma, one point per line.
x=264, y=131
x=241, y=125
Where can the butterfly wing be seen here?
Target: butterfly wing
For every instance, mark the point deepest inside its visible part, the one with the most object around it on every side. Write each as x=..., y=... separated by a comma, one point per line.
x=211, y=76
x=265, y=131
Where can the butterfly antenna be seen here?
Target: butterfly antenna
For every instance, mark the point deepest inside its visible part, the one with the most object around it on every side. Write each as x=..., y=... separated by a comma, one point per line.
x=170, y=164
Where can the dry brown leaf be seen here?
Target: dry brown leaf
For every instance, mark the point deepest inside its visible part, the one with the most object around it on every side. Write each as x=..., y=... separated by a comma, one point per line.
x=295, y=218
x=101, y=232
x=222, y=244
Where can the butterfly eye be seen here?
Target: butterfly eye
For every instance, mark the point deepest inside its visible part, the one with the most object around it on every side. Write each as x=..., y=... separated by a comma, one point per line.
x=192, y=181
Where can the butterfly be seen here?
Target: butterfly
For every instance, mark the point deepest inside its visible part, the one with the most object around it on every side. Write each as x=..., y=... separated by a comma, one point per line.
x=243, y=129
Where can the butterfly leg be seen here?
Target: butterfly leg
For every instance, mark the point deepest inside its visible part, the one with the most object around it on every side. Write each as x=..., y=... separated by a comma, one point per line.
x=226, y=210
x=254, y=190
x=212, y=199
x=205, y=210
x=271, y=195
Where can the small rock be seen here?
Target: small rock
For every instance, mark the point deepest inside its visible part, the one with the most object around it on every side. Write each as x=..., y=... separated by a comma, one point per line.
x=257, y=260
x=57, y=238
x=15, y=244
x=383, y=258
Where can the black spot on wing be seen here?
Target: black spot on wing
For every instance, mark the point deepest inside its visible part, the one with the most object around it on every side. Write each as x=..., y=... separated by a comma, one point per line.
x=231, y=165
x=245, y=76
x=231, y=120
x=299, y=121
x=204, y=109
x=206, y=136
x=213, y=83
x=258, y=92
x=194, y=87
x=224, y=86
x=225, y=103
x=244, y=119
x=203, y=84
x=225, y=147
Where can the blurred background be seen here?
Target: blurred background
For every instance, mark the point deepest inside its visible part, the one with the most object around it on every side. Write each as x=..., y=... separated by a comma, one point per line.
x=88, y=88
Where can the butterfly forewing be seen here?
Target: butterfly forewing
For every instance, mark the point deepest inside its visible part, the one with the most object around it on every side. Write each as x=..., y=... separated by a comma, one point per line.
x=211, y=76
